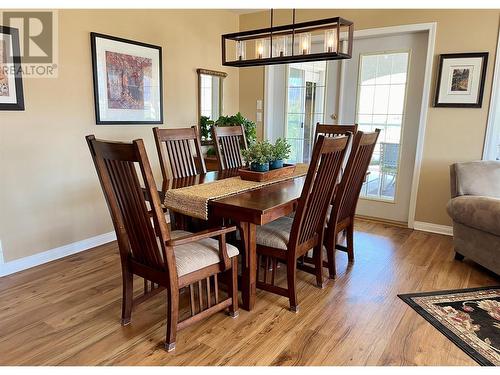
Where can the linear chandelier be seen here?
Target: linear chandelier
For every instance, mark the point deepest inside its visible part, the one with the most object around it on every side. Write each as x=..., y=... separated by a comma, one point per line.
x=297, y=42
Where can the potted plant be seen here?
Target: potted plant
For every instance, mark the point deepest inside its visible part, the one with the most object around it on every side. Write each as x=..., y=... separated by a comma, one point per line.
x=258, y=156
x=279, y=152
x=205, y=125
x=239, y=119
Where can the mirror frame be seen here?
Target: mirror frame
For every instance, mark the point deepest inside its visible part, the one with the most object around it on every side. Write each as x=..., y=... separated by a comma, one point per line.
x=216, y=73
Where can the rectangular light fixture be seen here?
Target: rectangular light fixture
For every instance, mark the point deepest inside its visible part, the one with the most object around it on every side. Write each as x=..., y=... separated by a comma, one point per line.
x=326, y=39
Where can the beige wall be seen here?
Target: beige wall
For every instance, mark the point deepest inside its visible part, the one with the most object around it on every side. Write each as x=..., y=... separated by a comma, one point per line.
x=452, y=134
x=49, y=189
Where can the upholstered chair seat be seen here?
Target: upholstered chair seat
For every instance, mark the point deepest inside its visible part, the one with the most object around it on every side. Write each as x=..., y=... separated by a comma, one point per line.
x=194, y=256
x=276, y=233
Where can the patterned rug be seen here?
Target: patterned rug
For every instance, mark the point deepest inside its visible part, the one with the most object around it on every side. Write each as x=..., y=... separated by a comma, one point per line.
x=470, y=318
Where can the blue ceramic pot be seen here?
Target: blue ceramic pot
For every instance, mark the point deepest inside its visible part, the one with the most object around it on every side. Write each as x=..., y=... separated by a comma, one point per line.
x=276, y=164
x=258, y=167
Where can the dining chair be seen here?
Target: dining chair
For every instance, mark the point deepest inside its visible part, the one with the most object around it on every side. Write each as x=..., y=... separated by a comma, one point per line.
x=168, y=260
x=334, y=130
x=229, y=141
x=285, y=239
x=341, y=217
x=175, y=148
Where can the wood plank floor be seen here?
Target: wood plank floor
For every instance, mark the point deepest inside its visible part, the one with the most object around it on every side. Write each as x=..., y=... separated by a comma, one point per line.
x=68, y=312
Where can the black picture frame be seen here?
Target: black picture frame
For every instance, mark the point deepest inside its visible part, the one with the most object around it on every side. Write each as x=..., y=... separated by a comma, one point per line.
x=18, y=80
x=484, y=65
x=99, y=121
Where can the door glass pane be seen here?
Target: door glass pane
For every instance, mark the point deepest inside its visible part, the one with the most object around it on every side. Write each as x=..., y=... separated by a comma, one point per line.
x=305, y=107
x=382, y=89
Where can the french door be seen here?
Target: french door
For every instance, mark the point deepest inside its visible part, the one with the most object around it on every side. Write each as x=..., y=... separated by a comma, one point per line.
x=305, y=102
x=381, y=87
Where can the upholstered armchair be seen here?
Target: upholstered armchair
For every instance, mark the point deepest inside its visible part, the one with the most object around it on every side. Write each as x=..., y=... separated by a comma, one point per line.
x=475, y=210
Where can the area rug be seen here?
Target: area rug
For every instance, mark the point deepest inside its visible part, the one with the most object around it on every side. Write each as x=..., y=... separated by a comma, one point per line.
x=470, y=318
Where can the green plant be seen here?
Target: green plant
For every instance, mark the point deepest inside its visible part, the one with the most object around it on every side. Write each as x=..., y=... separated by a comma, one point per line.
x=205, y=125
x=239, y=119
x=211, y=151
x=281, y=149
x=259, y=152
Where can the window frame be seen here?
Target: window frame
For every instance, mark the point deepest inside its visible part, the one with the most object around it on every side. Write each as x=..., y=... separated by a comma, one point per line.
x=403, y=119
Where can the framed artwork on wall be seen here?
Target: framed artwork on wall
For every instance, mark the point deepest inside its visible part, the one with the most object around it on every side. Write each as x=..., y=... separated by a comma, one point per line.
x=127, y=81
x=11, y=84
x=461, y=79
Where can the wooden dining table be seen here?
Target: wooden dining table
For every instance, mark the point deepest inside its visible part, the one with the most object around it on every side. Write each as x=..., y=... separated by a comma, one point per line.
x=247, y=210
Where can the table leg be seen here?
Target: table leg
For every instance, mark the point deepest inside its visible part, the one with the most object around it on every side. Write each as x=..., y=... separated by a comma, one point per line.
x=249, y=272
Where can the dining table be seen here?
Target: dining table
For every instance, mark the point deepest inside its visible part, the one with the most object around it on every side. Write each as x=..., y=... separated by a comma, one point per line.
x=247, y=210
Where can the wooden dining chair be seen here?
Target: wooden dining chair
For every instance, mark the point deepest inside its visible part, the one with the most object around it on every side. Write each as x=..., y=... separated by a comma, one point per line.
x=285, y=239
x=168, y=260
x=346, y=198
x=334, y=130
x=175, y=148
x=229, y=141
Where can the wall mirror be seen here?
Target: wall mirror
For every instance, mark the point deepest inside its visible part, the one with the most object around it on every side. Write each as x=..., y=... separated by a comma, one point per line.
x=210, y=99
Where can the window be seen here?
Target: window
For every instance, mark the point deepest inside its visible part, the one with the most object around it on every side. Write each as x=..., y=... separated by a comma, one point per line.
x=305, y=106
x=206, y=95
x=381, y=104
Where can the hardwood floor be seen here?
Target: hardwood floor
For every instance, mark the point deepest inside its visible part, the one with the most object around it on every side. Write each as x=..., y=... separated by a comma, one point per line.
x=68, y=312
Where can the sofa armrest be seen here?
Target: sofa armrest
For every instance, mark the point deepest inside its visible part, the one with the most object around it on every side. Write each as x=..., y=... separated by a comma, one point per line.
x=478, y=212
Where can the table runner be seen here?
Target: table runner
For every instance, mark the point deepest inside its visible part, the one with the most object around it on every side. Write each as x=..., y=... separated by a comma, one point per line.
x=193, y=200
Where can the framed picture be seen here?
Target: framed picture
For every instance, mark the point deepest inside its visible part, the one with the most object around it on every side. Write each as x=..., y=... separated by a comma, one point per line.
x=11, y=84
x=461, y=80
x=127, y=81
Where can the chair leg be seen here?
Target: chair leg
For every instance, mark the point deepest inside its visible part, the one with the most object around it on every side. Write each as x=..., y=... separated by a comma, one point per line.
x=318, y=265
x=350, y=242
x=172, y=317
x=291, y=275
x=233, y=287
x=127, y=296
x=330, y=254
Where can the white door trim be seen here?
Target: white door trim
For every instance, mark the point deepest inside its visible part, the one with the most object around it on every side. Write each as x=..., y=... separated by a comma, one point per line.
x=404, y=29
x=266, y=117
x=493, y=103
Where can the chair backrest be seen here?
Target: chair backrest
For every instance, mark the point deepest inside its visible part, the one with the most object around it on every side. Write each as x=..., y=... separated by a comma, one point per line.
x=177, y=146
x=136, y=229
x=334, y=130
x=310, y=217
x=229, y=141
x=347, y=193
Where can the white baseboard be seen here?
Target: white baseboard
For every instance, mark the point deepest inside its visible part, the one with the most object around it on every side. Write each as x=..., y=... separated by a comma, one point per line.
x=7, y=268
x=433, y=228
